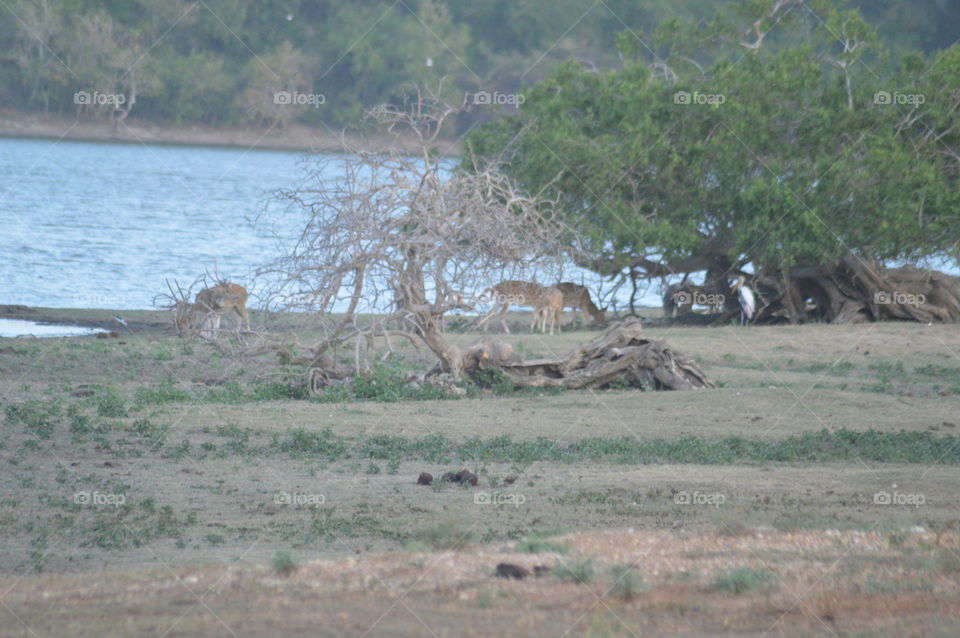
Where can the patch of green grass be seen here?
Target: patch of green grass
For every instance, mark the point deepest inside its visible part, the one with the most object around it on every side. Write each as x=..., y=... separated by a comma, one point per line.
x=164, y=392
x=842, y=369
x=231, y=392
x=943, y=373
x=161, y=353
x=809, y=447
x=181, y=450
x=80, y=423
x=37, y=417
x=308, y=443
x=495, y=380
x=110, y=402
x=446, y=536
x=575, y=571
x=586, y=498
x=628, y=582
x=897, y=539
x=388, y=382
x=536, y=544
x=279, y=391
x=744, y=579
x=284, y=562
x=325, y=525
x=238, y=439
x=155, y=435
x=115, y=528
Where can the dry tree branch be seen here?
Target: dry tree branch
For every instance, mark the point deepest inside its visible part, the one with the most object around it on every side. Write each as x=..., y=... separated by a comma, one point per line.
x=401, y=237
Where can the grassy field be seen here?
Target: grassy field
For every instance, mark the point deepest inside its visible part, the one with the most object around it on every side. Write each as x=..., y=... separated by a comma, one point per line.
x=150, y=472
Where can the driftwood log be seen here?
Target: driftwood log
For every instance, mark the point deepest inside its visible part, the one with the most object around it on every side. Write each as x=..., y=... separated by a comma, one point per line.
x=621, y=356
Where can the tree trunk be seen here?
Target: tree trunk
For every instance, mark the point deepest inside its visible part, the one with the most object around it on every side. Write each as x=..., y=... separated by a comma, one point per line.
x=857, y=290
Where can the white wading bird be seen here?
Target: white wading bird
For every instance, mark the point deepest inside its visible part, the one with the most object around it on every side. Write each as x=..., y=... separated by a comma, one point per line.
x=748, y=303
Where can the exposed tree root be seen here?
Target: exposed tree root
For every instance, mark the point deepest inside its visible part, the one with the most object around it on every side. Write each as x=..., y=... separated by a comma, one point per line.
x=859, y=290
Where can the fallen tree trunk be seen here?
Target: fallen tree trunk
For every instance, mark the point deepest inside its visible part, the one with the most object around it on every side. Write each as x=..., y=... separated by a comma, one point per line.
x=620, y=357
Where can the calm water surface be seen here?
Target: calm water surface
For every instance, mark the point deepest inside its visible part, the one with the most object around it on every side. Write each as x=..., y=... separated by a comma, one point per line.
x=101, y=225
x=98, y=225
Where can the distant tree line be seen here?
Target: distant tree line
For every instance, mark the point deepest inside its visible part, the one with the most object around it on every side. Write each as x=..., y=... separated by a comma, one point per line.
x=223, y=61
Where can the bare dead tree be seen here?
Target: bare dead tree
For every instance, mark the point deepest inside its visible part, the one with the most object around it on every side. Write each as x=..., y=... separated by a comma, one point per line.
x=397, y=238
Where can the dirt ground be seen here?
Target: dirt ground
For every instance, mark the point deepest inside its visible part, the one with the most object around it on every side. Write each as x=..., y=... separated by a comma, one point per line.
x=158, y=486
x=823, y=583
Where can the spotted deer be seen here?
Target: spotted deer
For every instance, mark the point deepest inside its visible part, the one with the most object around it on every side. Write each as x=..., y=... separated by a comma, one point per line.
x=210, y=305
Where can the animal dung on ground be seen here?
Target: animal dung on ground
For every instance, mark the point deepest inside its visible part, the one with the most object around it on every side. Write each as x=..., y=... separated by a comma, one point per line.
x=462, y=477
x=425, y=478
x=509, y=570
x=466, y=476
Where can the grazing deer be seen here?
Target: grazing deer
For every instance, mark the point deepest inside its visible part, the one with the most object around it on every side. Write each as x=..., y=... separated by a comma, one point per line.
x=549, y=308
x=208, y=307
x=577, y=296
x=511, y=293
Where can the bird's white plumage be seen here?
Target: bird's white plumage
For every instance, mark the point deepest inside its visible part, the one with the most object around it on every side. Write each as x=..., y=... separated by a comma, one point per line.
x=747, y=301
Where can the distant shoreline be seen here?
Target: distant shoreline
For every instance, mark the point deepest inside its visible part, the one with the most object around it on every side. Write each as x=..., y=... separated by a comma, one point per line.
x=294, y=138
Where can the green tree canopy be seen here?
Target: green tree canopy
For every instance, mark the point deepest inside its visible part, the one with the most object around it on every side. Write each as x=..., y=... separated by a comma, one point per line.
x=770, y=137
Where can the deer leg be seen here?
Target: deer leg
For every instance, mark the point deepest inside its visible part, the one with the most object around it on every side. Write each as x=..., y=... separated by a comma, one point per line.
x=244, y=317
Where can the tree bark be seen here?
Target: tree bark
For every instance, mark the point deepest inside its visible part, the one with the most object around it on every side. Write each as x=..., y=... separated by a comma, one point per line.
x=620, y=357
x=859, y=289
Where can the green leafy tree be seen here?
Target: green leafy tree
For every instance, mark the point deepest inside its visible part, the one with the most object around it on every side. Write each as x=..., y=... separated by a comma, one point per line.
x=277, y=82
x=775, y=158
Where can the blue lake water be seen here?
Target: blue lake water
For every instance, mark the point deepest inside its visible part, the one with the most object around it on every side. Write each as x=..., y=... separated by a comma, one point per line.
x=102, y=225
